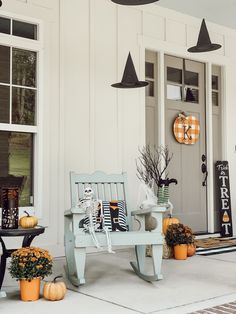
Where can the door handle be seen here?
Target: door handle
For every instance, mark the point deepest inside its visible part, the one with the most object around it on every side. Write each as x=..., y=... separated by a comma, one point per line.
x=204, y=183
x=204, y=171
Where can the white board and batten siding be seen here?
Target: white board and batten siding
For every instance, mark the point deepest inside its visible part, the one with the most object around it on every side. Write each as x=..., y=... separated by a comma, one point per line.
x=90, y=126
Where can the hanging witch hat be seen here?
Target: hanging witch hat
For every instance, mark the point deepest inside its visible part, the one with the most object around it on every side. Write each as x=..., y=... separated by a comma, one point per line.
x=133, y=2
x=204, y=43
x=130, y=79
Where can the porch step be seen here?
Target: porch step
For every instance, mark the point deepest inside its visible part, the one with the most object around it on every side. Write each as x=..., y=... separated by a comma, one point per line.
x=199, y=236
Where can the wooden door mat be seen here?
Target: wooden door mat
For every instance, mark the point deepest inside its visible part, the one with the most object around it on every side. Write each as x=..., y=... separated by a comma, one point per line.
x=211, y=243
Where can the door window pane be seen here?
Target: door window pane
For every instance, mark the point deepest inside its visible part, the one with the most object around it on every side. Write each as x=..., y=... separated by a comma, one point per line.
x=191, y=95
x=5, y=25
x=16, y=159
x=174, y=75
x=174, y=92
x=215, y=82
x=150, y=89
x=149, y=68
x=215, y=99
x=191, y=78
x=4, y=64
x=23, y=106
x=4, y=104
x=24, y=67
x=25, y=30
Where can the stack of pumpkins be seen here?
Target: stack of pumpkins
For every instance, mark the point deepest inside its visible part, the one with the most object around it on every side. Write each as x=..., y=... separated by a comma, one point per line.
x=168, y=251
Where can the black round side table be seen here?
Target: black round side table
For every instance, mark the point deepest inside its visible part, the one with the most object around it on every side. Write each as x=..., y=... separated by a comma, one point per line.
x=28, y=234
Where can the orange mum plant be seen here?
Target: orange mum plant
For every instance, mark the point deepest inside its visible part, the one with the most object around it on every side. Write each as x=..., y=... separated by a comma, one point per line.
x=30, y=262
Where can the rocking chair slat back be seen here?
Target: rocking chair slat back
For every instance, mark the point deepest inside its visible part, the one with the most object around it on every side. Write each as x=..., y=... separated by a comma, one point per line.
x=106, y=187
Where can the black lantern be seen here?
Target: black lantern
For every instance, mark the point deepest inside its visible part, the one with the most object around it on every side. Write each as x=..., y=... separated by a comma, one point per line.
x=10, y=211
x=204, y=43
x=133, y=2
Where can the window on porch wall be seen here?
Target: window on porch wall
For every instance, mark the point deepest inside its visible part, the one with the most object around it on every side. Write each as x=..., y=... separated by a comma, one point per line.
x=18, y=107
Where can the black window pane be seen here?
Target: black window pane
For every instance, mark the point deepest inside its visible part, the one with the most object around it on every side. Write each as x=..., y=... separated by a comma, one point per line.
x=24, y=67
x=23, y=106
x=150, y=89
x=214, y=82
x=4, y=64
x=5, y=25
x=149, y=69
x=16, y=159
x=4, y=104
x=191, y=78
x=215, y=99
x=191, y=95
x=174, y=75
x=25, y=30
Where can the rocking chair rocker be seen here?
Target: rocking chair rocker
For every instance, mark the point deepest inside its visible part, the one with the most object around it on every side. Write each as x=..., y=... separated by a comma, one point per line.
x=110, y=187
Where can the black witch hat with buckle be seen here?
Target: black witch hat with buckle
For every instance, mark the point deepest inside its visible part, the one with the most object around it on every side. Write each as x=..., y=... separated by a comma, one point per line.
x=133, y=2
x=204, y=43
x=130, y=79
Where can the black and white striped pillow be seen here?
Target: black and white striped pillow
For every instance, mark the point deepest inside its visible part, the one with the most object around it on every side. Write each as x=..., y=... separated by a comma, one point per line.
x=114, y=215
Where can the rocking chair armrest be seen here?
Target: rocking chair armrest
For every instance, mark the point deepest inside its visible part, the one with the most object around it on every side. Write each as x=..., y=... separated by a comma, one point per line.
x=74, y=210
x=148, y=211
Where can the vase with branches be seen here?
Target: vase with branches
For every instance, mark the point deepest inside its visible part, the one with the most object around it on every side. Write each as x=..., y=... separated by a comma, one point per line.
x=152, y=170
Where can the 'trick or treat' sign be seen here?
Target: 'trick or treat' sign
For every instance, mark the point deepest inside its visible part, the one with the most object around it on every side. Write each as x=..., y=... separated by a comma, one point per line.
x=223, y=198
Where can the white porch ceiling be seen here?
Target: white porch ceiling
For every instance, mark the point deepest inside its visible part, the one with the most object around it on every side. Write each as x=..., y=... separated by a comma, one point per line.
x=222, y=12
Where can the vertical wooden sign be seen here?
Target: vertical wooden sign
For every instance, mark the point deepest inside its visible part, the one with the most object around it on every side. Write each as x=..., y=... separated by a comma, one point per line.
x=223, y=198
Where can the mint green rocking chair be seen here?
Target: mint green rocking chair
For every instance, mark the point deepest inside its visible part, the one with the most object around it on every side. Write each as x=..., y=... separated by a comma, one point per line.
x=110, y=187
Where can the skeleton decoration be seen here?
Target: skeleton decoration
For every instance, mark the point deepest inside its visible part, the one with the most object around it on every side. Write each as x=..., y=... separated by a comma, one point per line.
x=94, y=221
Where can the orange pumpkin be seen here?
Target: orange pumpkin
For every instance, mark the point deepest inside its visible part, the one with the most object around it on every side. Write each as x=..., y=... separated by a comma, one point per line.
x=169, y=221
x=28, y=221
x=191, y=250
x=54, y=291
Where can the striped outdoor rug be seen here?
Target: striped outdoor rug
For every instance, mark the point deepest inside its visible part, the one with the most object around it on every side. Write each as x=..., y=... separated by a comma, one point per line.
x=211, y=246
x=221, y=309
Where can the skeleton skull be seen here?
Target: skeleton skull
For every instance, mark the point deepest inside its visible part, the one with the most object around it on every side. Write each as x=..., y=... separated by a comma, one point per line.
x=88, y=193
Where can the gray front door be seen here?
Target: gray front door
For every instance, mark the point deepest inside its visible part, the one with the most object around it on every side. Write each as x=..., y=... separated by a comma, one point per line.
x=185, y=93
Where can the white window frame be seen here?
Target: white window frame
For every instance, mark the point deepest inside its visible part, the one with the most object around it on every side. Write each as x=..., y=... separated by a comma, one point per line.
x=36, y=46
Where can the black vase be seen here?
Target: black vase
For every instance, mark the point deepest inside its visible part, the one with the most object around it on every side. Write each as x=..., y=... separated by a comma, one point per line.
x=10, y=210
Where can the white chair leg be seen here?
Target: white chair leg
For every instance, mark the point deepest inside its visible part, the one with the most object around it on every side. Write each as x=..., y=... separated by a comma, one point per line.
x=80, y=258
x=70, y=267
x=140, y=254
x=2, y=294
x=157, y=252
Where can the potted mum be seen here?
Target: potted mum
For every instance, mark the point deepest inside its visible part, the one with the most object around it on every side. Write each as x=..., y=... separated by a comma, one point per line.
x=179, y=236
x=29, y=265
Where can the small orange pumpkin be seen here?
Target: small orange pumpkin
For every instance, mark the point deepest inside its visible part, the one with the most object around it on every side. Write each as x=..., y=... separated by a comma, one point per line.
x=191, y=250
x=28, y=221
x=169, y=221
x=54, y=291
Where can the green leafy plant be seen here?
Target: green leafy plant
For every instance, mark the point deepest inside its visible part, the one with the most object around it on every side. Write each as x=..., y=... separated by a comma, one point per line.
x=179, y=234
x=30, y=262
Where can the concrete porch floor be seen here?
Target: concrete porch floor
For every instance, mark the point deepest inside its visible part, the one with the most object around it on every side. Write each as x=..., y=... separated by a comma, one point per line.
x=112, y=287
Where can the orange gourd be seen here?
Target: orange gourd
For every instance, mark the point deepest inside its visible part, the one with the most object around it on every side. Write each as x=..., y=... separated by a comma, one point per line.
x=169, y=221
x=28, y=221
x=54, y=291
x=191, y=250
